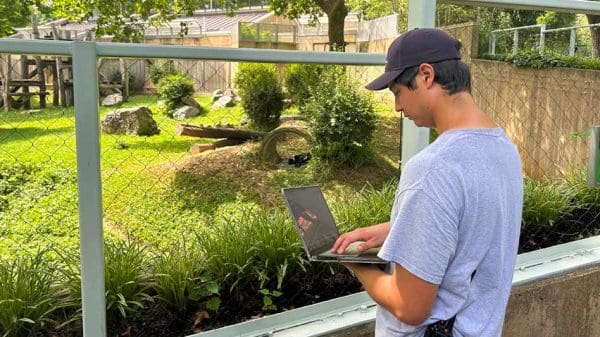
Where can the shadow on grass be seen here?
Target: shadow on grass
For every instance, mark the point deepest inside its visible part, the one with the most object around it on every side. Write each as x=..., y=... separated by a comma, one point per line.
x=17, y=134
x=206, y=191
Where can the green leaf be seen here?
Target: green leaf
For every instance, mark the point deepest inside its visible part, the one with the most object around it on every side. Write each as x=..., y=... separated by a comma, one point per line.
x=265, y=291
x=213, y=288
x=214, y=303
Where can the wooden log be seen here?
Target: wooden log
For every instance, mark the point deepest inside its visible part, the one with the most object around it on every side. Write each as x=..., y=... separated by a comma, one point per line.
x=208, y=132
x=199, y=148
x=59, y=71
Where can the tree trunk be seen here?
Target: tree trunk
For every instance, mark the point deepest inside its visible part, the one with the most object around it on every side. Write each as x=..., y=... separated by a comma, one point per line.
x=336, y=11
x=207, y=132
x=595, y=34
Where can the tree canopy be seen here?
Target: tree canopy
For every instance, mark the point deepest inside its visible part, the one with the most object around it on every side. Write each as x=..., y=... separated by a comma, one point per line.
x=18, y=14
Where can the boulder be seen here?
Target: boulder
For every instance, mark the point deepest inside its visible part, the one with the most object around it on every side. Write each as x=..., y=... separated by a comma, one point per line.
x=189, y=100
x=224, y=101
x=112, y=100
x=130, y=121
x=185, y=112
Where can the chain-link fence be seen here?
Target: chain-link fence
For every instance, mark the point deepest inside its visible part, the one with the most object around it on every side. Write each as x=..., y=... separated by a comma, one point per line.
x=208, y=215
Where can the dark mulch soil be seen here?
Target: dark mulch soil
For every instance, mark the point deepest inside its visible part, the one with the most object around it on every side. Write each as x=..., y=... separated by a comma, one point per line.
x=580, y=224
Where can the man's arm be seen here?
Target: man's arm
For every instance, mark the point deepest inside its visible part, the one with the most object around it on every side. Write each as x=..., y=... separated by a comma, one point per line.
x=407, y=297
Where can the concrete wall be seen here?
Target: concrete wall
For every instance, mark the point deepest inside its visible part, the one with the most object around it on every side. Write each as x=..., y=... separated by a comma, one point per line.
x=564, y=306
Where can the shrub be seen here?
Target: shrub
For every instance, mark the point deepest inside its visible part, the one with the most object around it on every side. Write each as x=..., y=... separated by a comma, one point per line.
x=543, y=203
x=300, y=80
x=584, y=194
x=262, y=97
x=179, y=279
x=342, y=120
x=126, y=277
x=28, y=295
x=172, y=89
x=368, y=207
x=159, y=69
x=114, y=76
x=273, y=253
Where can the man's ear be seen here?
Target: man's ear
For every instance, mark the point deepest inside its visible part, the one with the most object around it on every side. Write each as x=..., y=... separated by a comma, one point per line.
x=428, y=74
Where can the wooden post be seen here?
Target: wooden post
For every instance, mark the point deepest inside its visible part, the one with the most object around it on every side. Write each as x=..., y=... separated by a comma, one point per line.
x=5, y=68
x=124, y=79
x=59, y=67
x=25, y=85
x=69, y=97
x=38, y=63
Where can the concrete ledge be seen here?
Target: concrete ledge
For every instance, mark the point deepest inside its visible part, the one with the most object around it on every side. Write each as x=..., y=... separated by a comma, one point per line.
x=556, y=293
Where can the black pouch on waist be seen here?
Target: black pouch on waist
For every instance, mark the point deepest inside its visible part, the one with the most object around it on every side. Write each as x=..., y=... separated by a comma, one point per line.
x=440, y=328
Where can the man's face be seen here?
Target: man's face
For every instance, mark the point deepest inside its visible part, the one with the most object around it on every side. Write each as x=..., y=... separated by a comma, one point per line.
x=413, y=103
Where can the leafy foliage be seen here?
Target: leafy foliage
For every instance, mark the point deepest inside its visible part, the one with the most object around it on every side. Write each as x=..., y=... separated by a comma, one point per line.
x=342, y=120
x=18, y=13
x=543, y=203
x=273, y=254
x=29, y=295
x=172, y=89
x=160, y=69
x=584, y=194
x=261, y=93
x=539, y=61
x=179, y=278
x=300, y=80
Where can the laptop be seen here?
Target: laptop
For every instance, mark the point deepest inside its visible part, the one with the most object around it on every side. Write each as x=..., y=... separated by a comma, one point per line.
x=317, y=229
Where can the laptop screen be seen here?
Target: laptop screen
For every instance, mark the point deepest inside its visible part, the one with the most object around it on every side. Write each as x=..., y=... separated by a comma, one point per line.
x=312, y=217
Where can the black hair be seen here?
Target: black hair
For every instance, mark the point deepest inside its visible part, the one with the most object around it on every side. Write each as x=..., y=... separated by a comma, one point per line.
x=453, y=75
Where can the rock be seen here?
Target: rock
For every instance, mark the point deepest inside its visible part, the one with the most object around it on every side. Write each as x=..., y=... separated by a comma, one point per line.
x=217, y=94
x=185, y=112
x=189, y=100
x=112, y=100
x=224, y=101
x=130, y=121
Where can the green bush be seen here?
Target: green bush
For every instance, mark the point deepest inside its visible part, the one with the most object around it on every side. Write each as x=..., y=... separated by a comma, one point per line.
x=300, y=79
x=159, y=69
x=179, y=278
x=584, y=194
x=262, y=97
x=547, y=60
x=544, y=202
x=29, y=295
x=114, y=76
x=171, y=89
x=271, y=255
x=342, y=120
x=370, y=206
x=126, y=276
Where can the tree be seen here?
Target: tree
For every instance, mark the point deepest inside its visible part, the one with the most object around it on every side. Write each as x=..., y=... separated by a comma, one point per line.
x=125, y=19
x=595, y=33
x=18, y=14
x=336, y=11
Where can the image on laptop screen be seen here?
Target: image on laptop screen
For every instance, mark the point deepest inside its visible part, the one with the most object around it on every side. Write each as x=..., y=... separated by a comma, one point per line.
x=312, y=218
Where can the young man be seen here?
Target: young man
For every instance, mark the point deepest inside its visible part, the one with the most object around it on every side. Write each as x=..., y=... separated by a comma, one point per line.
x=454, y=229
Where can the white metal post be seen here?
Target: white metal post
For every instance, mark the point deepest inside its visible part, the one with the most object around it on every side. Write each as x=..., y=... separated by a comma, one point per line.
x=516, y=41
x=542, y=38
x=421, y=14
x=87, y=133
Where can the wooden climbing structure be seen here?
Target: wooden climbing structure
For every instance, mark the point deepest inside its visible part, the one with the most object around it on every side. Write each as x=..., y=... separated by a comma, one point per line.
x=23, y=77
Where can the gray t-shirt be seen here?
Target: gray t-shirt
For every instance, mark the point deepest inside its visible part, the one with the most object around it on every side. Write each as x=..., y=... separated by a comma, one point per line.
x=458, y=209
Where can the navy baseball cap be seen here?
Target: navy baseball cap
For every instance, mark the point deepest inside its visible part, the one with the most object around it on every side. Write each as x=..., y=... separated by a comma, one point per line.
x=420, y=45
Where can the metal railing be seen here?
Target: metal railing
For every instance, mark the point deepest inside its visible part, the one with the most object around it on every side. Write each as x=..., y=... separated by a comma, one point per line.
x=541, y=41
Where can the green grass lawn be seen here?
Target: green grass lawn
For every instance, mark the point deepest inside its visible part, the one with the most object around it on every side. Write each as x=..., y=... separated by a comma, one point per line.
x=152, y=188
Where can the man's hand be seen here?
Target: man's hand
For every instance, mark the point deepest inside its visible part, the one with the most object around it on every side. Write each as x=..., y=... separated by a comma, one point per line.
x=372, y=236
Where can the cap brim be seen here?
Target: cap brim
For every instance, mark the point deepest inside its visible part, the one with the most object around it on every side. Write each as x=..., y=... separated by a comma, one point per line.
x=384, y=80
